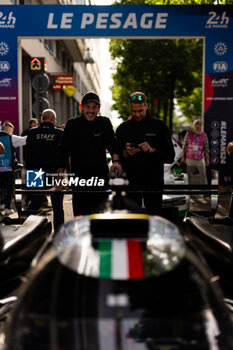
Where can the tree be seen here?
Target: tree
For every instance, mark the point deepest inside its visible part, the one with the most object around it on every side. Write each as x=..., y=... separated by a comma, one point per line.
x=162, y=69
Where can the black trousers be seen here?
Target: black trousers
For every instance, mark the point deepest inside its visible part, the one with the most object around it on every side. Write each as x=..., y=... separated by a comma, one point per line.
x=57, y=204
x=88, y=203
x=152, y=202
x=7, y=187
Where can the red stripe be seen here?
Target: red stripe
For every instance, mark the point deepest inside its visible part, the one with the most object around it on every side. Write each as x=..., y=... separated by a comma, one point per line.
x=136, y=268
x=209, y=91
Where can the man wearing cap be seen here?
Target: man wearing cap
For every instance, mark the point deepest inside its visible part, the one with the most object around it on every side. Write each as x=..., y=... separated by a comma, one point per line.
x=84, y=142
x=144, y=146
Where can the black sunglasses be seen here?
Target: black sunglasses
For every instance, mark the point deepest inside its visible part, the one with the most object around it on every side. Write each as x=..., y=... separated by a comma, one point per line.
x=137, y=98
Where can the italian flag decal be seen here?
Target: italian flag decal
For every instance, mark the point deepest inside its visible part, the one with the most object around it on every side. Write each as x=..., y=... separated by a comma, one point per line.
x=121, y=259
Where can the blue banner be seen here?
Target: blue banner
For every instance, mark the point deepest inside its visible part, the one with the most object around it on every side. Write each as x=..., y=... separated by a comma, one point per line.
x=117, y=20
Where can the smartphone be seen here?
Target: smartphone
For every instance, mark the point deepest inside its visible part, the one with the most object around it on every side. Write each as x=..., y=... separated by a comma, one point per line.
x=134, y=145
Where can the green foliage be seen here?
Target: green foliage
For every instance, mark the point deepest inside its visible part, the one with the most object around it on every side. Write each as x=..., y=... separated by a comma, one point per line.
x=174, y=2
x=187, y=2
x=191, y=105
x=162, y=69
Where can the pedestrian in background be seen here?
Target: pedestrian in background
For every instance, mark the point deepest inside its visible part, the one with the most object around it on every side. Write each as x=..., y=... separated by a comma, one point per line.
x=144, y=146
x=17, y=140
x=230, y=148
x=7, y=165
x=33, y=122
x=196, y=154
x=85, y=141
x=229, y=151
x=42, y=153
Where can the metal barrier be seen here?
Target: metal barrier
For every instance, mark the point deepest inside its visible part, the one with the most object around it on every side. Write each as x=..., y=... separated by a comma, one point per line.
x=167, y=189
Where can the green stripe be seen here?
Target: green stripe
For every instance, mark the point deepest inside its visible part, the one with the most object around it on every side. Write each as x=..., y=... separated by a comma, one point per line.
x=105, y=247
x=182, y=212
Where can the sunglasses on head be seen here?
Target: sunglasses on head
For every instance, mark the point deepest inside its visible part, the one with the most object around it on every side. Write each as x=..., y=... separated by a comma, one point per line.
x=8, y=124
x=138, y=98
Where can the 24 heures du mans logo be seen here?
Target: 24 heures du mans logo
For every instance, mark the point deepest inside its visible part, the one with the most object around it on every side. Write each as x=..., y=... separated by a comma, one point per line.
x=7, y=20
x=217, y=21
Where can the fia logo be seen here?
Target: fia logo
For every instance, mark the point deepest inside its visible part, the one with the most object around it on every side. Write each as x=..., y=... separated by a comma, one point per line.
x=4, y=66
x=220, y=66
x=217, y=21
x=7, y=21
x=35, y=178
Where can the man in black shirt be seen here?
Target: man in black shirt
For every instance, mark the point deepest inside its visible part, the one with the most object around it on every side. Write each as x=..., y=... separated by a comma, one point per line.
x=144, y=146
x=41, y=152
x=85, y=141
x=33, y=122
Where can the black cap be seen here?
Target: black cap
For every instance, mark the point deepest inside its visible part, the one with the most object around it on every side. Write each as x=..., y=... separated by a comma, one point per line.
x=90, y=97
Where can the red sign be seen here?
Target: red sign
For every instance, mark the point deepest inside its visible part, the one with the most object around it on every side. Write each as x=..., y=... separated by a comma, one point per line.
x=63, y=79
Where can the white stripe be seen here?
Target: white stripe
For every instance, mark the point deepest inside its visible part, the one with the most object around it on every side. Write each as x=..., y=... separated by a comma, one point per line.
x=120, y=265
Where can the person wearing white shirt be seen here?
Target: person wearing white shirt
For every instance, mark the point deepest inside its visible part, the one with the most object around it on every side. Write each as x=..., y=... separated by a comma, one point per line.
x=7, y=160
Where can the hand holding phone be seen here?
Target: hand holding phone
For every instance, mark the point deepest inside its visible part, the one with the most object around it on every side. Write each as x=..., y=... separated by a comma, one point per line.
x=134, y=145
